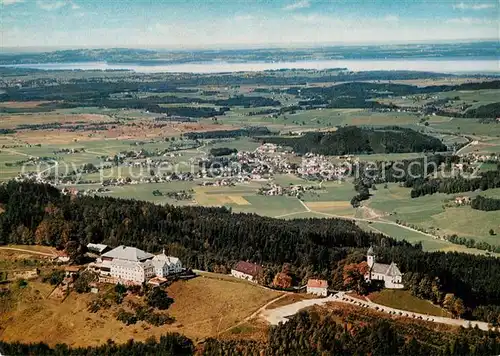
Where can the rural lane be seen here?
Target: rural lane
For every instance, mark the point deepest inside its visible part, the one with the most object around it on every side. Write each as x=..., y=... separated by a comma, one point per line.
x=28, y=251
x=275, y=316
x=378, y=220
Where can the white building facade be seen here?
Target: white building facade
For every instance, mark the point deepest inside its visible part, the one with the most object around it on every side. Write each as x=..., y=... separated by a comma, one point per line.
x=166, y=265
x=317, y=287
x=389, y=274
x=130, y=265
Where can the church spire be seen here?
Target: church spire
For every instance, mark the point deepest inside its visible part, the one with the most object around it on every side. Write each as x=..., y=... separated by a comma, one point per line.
x=370, y=257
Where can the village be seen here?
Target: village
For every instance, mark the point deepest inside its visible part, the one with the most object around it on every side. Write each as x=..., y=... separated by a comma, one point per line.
x=260, y=165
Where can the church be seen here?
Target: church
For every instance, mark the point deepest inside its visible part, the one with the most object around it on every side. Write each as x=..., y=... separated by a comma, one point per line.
x=390, y=274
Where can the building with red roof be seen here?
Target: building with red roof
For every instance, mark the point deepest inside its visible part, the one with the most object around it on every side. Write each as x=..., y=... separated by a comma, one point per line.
x=317, y=287
x=246, y=270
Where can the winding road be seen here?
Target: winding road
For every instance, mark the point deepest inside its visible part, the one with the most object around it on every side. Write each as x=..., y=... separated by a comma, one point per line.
x=281, y=314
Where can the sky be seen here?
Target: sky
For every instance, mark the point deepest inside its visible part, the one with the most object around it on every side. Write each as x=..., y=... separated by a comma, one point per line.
x=242, y=23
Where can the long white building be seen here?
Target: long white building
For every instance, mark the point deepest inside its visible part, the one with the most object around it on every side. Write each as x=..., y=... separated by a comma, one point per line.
x=131, y=265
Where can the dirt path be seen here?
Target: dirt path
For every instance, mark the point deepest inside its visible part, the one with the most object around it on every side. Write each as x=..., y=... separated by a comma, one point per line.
x=15, y=152
x=253, y=315
x=28, y=251
x=275, y=316
x=473, y=143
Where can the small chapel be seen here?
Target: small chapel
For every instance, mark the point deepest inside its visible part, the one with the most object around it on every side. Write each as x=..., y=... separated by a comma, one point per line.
x=390, y=274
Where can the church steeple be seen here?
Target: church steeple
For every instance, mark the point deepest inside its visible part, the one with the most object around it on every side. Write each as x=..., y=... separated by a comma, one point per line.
x=370, y=257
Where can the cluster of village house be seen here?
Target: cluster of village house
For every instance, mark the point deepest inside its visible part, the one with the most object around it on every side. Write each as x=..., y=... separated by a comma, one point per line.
x=389, y=274
x=476, y=157
x=261, y=164
x=278, y=190
x=320, y=167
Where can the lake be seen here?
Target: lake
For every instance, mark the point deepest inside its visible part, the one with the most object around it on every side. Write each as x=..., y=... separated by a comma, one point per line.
x=457, y=66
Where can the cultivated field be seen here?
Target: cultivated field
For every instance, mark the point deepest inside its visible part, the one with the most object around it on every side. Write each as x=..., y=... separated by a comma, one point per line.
x=432, y=213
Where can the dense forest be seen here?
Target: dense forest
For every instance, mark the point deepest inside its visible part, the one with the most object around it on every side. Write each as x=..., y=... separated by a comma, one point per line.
x=360, y=94
x=169, y=345
x=222, y=151
x=485, y=180
x=204, y=238
x=316, y=334
x=484, y=203
x=356, y=140
x=484, y=111
x=251, y=131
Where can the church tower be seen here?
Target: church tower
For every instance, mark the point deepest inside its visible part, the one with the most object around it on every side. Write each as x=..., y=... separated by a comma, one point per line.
x=370, y=257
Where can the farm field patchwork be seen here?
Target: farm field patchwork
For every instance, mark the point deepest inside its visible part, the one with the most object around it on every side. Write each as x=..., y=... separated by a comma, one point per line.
x=429, y=212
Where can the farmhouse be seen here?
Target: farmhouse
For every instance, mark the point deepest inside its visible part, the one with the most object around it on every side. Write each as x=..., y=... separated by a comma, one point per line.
x=246, y=270
x=317, y=287
x=390, y=274
x=131, y=265
x=463, y=200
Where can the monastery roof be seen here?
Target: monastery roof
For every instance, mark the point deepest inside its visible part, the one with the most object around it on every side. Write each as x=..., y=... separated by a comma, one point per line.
x=128, y=253
x=125, y=264
x=162, y=260
x=393, y=270
x=317, y=283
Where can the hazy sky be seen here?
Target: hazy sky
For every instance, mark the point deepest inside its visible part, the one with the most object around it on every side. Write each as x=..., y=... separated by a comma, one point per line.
x=209, y=23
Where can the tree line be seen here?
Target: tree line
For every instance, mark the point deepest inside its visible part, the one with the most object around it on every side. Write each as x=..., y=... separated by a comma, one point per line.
x=453, y=185
x=485, y=203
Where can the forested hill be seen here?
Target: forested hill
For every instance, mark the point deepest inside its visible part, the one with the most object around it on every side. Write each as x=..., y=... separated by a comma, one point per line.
x=355, y=140
x=204, y=238
x=215, y=239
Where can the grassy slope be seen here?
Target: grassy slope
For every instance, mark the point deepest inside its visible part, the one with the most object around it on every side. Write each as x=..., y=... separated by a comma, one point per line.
x=202, y=307
x=401, y=299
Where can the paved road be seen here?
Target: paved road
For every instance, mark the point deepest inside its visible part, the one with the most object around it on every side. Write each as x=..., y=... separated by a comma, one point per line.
x=275, y=316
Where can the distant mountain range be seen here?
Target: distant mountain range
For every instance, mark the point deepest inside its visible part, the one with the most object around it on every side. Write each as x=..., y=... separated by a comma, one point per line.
x=476, y=50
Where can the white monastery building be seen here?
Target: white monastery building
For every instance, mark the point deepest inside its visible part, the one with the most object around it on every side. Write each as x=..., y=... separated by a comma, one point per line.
x=131, y=265
x=318, y=287
x=390, y=274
